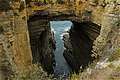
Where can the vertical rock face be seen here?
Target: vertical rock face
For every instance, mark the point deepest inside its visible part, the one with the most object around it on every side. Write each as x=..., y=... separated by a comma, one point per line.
x=108, y=40
x=42, y=43
x=15, y=53
x=79, y=44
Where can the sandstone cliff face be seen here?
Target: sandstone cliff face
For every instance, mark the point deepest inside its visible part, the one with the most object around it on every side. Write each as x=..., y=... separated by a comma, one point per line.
x=103, y=13
x=110, y=27
x=15, y=53
x=79, y=44
x=42, y=42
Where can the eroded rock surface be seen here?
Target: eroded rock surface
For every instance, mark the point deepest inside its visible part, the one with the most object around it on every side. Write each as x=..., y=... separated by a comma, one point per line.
x=79, y=44
x=42, y=43
x=14, y=38
x=15, y=52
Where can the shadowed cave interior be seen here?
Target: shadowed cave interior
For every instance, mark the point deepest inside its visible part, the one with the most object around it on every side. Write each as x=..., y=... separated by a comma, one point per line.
x=77, y=43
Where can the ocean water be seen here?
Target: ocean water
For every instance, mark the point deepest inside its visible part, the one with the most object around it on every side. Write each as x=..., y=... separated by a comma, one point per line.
x=59, y=28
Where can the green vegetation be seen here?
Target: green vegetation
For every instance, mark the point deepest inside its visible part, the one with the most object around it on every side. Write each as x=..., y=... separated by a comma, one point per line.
x=4, y=5
x=115, y=75
x=27, y=1
x=1, y=29
x=36, y=73
x=60, y=1
x=117, y=23
x=40, y=1
x=110, y=72
x=22, y=6
x=115, y=56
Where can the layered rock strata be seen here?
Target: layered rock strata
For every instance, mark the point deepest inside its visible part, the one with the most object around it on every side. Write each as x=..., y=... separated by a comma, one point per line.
x=42, y=43
x=79, y=44
x=15, y=52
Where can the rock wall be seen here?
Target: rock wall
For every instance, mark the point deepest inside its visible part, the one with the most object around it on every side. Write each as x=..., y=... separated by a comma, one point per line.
x=16, y=58
x=105, y=13
x=110, y=27
x=15, y=52
x=79, y=44
x=42, y=42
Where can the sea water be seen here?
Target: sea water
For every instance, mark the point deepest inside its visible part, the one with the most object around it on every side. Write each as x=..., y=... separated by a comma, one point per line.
x=59, y=28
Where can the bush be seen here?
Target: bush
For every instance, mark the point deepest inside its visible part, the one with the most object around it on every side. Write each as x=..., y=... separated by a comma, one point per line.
x=22, y=6
x=28, y=1
x=115, y=56
x=1, y=29
x=4, y=5
x=36, y=73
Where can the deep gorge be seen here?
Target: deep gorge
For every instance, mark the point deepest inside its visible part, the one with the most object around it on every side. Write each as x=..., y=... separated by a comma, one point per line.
x=78, y=43
x=27, y=45
x=42, y=43
x=60, y=28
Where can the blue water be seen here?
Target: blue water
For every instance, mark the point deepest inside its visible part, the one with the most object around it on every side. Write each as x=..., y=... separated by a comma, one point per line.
x=59, y=27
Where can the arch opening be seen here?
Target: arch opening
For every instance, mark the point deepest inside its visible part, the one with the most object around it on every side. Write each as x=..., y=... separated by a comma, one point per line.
x=60, y=28
x=72, y=50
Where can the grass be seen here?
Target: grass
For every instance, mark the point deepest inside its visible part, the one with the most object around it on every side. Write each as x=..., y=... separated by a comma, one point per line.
x=115, y=75
x=110, y=72
x=115, y=56
x=4, y=5
x=35, y=73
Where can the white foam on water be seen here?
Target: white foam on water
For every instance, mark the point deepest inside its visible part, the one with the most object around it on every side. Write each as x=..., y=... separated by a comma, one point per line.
x=60, y=29
x=67, y=28
x=53, y=30
x=64, y=48
x=65, y=33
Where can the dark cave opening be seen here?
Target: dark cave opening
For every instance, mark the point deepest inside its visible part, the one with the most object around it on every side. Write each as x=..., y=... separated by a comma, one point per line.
x=82, y=36
x=42, y=43
x=78, y=45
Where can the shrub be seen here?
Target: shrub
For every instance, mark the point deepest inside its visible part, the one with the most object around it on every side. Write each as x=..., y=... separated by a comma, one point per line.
x=115, y=55
x=28, y=1
x=22, y=6
x=1, y=30
x=4, y=5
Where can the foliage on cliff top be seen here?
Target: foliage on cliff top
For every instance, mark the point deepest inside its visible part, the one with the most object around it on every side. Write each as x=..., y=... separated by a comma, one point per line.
x=109, y=70
x=35, y=73
x=22, y=6
x=115, y=56
x=4, y=5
